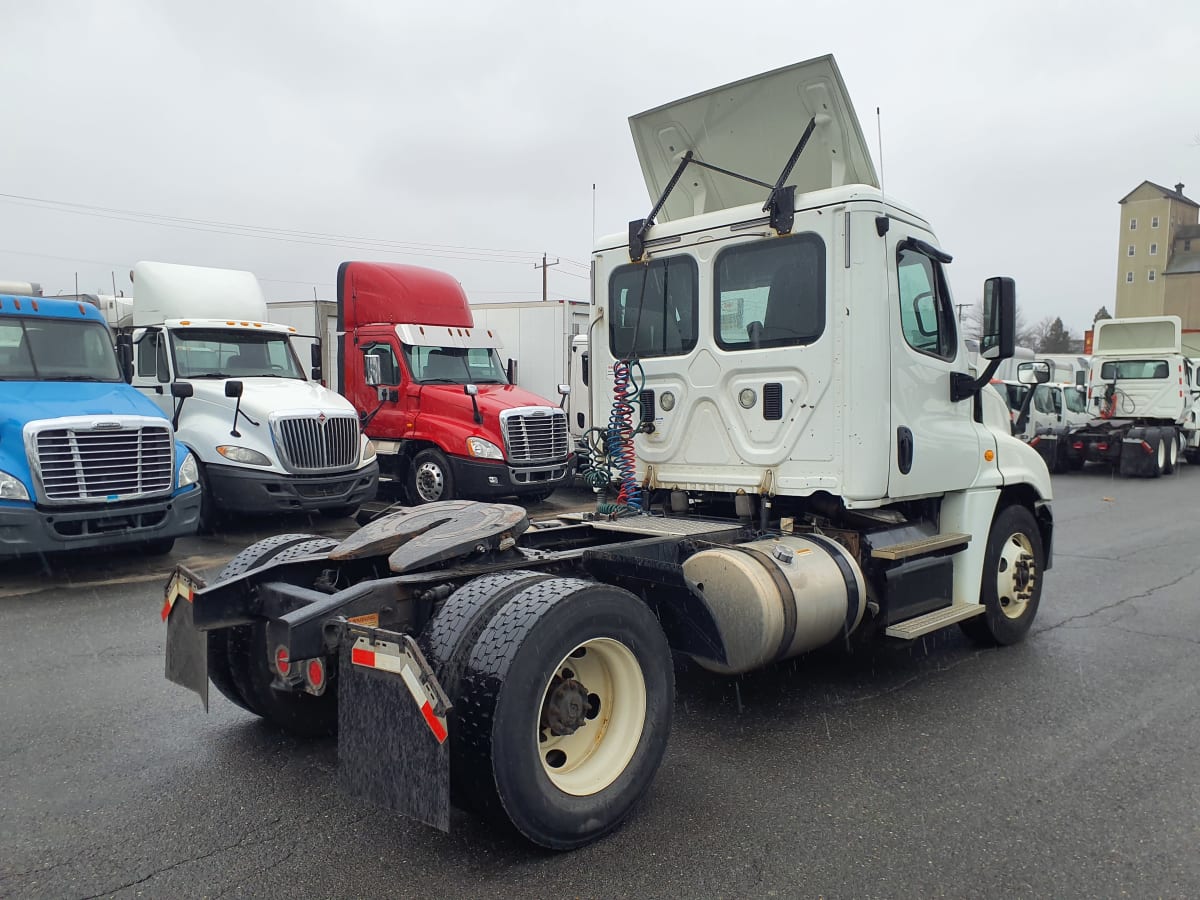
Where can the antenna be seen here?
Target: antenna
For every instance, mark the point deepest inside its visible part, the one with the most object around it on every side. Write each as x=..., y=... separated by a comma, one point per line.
x=882, y=223
x=593, y=214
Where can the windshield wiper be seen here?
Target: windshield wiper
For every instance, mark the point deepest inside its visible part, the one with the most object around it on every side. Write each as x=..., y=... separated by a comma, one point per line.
x=439, y=381
x=78, y=378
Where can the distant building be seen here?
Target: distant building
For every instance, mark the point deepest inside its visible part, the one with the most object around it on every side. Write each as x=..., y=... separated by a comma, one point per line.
x=1158, y=255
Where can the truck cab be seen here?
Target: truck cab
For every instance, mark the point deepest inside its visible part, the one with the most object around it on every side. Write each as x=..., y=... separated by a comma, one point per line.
x=85, y=461
x=435, y=397
x=269, y=439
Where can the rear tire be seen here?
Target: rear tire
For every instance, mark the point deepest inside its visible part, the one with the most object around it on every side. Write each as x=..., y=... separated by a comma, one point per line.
x=210, y=519
x=230, y=667
x=1012, y=580
x=1171, y=440
x=565, y=711
x=159, y=547
x=250, y=665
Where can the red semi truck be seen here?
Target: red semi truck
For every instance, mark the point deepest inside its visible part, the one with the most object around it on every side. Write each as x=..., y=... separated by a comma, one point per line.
x=436, y=401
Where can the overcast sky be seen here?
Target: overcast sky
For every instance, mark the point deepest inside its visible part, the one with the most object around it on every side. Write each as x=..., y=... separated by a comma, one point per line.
x=286, y=137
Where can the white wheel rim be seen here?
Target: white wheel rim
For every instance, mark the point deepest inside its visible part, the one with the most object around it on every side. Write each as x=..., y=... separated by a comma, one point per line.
x=1162, y=455
x=612, y=717
x=430, y=482
x=1174, y=451
x=1016, y=575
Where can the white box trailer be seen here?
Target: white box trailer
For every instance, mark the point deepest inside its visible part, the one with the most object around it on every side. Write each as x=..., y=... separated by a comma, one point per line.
x=316, y=324
x=541, y=337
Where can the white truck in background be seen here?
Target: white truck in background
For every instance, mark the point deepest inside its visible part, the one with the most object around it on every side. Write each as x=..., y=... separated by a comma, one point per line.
x=545, y=345
x=1141, y=398
x=268, y=439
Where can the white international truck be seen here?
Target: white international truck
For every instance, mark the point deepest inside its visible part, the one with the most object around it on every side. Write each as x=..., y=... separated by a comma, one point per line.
x=1142, y=398
x=815, y=467
x=268, y=439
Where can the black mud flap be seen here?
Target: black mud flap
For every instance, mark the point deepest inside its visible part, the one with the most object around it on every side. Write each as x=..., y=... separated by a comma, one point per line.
x=393, y=747
x=187, y=646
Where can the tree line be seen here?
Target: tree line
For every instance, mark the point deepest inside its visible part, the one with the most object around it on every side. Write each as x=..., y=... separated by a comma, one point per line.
x=1047, y=335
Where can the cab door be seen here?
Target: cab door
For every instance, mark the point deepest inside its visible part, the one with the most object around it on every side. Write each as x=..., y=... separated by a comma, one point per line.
x=937, y=445
x=389, y=422
x=152, y=369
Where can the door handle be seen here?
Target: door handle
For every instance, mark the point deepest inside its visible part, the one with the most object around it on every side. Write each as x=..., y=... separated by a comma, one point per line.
x=904, y=450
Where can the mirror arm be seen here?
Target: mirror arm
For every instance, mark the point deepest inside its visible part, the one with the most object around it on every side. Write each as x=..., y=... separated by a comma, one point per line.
x=178, y=410
x=237, y=411
x=963, y=386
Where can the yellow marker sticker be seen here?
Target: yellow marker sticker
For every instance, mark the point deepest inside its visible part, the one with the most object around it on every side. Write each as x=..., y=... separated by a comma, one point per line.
x=371, y=620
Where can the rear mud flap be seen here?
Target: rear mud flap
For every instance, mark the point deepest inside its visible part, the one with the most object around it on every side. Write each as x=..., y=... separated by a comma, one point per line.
x=187, y=647
x=393, y=747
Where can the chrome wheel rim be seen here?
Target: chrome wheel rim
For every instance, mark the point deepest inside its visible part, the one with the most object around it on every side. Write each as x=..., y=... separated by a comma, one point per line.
x=431, y=483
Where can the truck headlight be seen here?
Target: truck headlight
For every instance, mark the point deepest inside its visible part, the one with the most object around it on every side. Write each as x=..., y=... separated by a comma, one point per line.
x=482, y=449
x=11, y=488
x=368, y=452
x=243, y=455
x=189, y=473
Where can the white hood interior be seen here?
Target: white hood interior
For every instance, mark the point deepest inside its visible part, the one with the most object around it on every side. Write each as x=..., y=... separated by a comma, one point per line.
x=751, y=127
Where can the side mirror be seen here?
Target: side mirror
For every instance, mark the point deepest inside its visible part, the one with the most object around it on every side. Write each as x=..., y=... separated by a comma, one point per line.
x=1081, y=378
x=232, y=388
x=999, y=319
x=314, y=355
x=315, y=374
x=564, y=389
x=510, y=371
x=471, y=390
x=1033, y=372
x=181, y=389
x=372, y=370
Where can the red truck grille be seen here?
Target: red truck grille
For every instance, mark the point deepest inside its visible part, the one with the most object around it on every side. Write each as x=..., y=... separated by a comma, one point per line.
x=535, y=435
x=104, y=464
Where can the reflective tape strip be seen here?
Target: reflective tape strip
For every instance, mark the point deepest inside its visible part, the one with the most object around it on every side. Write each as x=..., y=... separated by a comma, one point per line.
x=174, y=591
x=390, y=659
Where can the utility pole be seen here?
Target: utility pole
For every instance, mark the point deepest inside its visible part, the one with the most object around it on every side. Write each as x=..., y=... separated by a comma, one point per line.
x=544, y=266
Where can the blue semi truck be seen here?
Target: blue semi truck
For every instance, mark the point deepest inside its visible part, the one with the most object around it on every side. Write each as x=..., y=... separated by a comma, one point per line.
x=85, y=460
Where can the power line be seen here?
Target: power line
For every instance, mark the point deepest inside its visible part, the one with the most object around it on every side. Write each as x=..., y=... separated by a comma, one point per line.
x=284, y=235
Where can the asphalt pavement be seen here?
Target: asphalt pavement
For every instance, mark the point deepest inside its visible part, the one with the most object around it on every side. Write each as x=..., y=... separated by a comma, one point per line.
x=1066, y=766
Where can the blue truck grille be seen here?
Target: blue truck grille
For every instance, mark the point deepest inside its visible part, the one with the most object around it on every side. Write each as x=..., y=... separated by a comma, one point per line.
x=536, y=438
x=318, y=443
x=105, y=465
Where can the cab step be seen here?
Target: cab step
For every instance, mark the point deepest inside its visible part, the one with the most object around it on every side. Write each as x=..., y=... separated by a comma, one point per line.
x=911, y=629
x=952, y=542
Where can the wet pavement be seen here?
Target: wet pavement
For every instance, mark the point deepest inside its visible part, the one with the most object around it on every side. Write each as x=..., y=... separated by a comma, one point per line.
x=1065, y=766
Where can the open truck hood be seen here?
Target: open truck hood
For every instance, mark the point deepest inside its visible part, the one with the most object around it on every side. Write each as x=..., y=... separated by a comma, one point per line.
x=751, y=127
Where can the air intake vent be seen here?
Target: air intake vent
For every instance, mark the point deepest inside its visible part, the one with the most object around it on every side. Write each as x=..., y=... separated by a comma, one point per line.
x=773, y=401
x=647, y=398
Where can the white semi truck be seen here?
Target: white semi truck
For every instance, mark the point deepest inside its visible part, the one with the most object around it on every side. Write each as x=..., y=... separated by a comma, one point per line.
x=1142, y=398
x=805, y=459
x=268, y=439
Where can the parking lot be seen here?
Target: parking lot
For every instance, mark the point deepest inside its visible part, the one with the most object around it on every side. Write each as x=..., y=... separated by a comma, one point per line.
x=1064, y=766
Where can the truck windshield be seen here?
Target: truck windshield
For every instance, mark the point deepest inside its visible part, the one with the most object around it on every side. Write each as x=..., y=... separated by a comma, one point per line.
x=233, y=353
x=454, y=365
x=37, y=349
x=1134, y=368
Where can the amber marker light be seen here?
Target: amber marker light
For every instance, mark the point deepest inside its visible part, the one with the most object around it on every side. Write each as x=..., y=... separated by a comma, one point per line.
x=989, y=455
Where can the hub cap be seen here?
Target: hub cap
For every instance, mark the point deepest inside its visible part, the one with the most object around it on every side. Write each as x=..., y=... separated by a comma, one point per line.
x=593, y=711
x=430, y=482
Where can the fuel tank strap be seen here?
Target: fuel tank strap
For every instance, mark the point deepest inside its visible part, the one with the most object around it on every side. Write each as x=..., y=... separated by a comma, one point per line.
x=786, y=596
x=853, y=597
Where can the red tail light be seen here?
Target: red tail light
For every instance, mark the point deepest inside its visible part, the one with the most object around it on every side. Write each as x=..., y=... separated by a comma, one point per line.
x=281, y=660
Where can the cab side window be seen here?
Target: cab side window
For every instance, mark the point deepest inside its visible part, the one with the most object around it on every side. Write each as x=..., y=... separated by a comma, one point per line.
x=152, y=356
x=926, y=308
